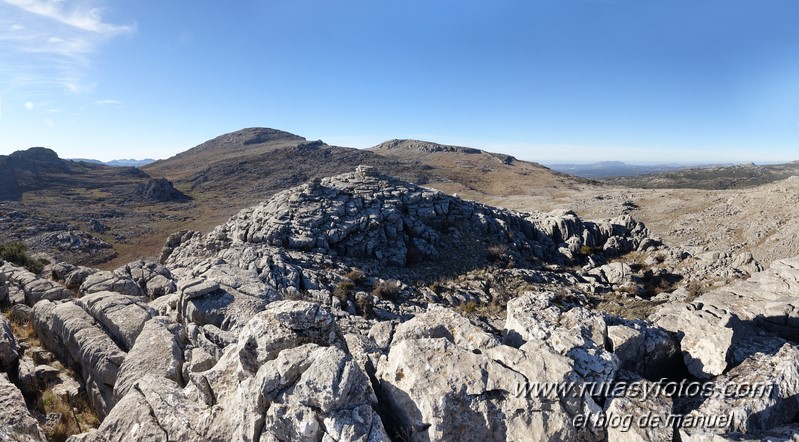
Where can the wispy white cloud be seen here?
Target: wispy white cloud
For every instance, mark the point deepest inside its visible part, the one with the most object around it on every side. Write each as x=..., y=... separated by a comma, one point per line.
x=79, y=16
x=51, y=43
x=115, y=103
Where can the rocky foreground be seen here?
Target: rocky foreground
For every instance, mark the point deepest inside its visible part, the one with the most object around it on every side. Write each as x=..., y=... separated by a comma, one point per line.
x=359, y=307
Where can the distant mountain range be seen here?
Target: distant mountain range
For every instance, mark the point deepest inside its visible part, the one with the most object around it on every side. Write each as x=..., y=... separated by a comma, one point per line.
x=710, y=177
x=117, y=163
x=608, y=169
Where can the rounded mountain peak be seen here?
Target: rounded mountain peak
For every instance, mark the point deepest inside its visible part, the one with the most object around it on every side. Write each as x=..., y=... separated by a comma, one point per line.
x=252, y=135
x=38, y=154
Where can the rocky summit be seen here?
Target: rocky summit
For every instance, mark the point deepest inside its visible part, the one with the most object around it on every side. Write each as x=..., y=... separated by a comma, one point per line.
x=362, y=307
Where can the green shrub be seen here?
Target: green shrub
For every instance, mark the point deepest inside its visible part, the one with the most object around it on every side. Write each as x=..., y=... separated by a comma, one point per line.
x=17, y=253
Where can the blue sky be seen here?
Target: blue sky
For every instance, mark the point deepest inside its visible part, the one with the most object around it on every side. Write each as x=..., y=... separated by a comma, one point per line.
x=545, y=80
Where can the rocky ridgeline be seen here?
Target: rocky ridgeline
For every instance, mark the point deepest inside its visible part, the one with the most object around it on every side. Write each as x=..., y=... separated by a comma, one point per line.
x=377, y=219
x=264, y=330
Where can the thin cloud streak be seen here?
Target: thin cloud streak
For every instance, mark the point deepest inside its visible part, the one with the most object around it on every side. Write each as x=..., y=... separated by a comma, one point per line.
x=86, y=19
x=52, y=43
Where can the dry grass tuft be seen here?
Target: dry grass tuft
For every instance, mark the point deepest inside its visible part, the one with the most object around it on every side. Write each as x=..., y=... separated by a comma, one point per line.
x=75, y=415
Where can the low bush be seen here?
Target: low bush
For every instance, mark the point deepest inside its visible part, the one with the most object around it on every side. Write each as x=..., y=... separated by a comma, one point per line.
x=344, y=289
x=356, y=276
x=17, y=253
x=388, y=289
x=497, y=252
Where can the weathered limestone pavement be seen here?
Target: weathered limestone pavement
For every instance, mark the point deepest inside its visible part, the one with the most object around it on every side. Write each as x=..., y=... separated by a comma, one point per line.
x=262, y=329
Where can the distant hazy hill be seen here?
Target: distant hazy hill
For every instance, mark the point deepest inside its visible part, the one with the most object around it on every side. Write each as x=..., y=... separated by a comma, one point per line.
x=117, y=163
x=719, y=177
x=607, y=169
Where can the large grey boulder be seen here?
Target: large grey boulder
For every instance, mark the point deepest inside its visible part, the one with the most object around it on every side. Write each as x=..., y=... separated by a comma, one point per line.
x=706, y=335
x=123, y=316
x=290, y=378
x=77, y=276
x=16, y=422
x=760, y=394
x=158, y=351
x=767, y=299
x=574, y=332
x=34, y=288
x=105, y=281
x=286, y=377
x=444, y=378
x=154, y=279
x=155, y=409
x=644, y=349
x=466, y=395
x=624, y=412
x=439, y=322
x=206, y=302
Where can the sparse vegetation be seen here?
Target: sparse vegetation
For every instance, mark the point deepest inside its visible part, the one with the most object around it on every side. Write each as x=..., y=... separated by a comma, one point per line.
x=496, y=253
x=365, y=305
x=694, y=290
x=343, y=290
x=388, y=290
x=587, y=250
x=17, y=253
x=469, y=307
x=75, y=415
x=356, y=276
x=24, y=332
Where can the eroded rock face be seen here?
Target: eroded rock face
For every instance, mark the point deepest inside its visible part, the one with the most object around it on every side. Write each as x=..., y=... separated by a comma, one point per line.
x=706, y=336
x=157, y=190
x=479, y=387
x=158, y=350
x=715, y=327
x=34, y=289
x=154, y=279
x=264, y=330
x=370, y=217
x=71, y=333
x=155, y=409
x=16, y=422
x=9, y=350
x=574, y=332
x=287, y=378
x=123, y=316
x=771, y=398
x=110, y=282
x=648, y=351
